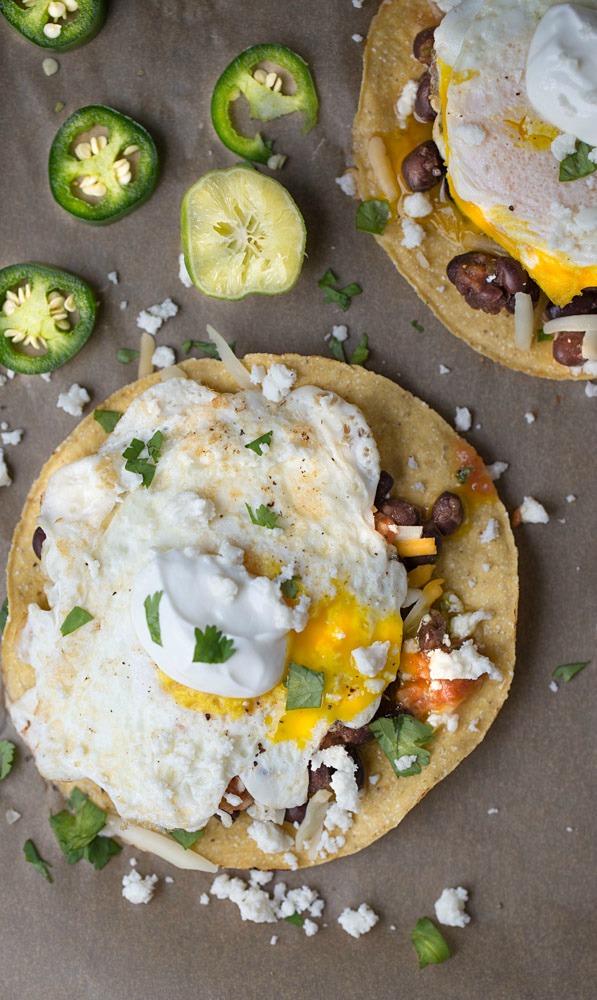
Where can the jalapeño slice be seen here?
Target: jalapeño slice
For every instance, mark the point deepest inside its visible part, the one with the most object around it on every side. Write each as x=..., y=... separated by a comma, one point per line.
x=102, y=164
x=254, y=73
x=46, y=315
x=55, y=24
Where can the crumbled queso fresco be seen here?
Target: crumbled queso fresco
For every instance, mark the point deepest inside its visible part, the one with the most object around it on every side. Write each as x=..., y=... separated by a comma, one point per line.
x=73, y=400
x=358, y=922
x=449, y=908
x=150, y=320
x=138, y=889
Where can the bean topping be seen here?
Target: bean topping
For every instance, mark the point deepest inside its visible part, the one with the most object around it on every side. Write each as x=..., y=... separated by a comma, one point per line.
x=581, y=304
x=296, y=814
x=39, y=537
x=359, y=773
x=447, y=513
x=236, y=787
x=341, y=735
x=384, y=486
x=321, y=778
x=488, y=282
x=424, y=110
x=423, y=168
x=423, y=46
x=401, y=512
x=567, y=349
x=432, y=630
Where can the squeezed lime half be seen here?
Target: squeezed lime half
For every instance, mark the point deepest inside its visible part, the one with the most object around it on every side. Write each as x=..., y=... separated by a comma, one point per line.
x=242, y=234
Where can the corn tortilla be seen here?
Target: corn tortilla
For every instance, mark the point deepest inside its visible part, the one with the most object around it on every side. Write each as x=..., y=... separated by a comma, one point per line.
x=388, y=65
x=402, y=426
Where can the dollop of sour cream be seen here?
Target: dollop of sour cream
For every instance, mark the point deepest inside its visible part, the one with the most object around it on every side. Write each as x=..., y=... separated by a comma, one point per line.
x=561, y=70
x=198, y=591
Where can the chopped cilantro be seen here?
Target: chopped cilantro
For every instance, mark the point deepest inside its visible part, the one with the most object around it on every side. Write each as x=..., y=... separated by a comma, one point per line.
x=336, y=349
x=74, y=620
x=185, y=838
x=152, y=615
x=341, y=297
x=77, y=832
x=403, y=736
x=289, y=587
x=577, y=164
x=542, y=335
x=361, y=351
x=418, y=326
x=463, y=474
x=372, y=216
x=145, y=467
x=296, y=919
x=430, y=945
x=3, y=614
x=7, y=752
x=33, y=856
x=263, y=516
x=212, y=646
x=107, y=419
x=204, y=345
x=100, y=850
x=125, y=356
x=256, y=444
x=304, y=687
x=566, y=671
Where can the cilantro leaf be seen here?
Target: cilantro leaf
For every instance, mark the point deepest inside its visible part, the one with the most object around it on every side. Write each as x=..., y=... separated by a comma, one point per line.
x=304, y=687
x=256, y=444
x=99, y=851
x=7, y=752
x=463, y=474
x=577, y=164
x=430, y=945
x=145, y=467
x=361, y=351
x=336, y=349
x=206, y=346
x=296, y=919
x=542, y=335
x=154, y=446
x=33, y=856
x=418, y=326
x=75, y=830
x=185, y=838
x=107, y=419
x=212, y=646
x=372, y=216
x=289, y=587
x=125, y=356
x=3, y=614
x=74, y=619
x=341, y=297
x=566, y=671
x=152, y=615
x=403, y=736
x=263, y=516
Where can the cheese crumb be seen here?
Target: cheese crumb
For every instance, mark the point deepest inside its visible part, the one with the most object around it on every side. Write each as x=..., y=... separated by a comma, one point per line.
x=277, y=383
x=449, y=908
x=12, y=816
x=553, y=687
x=269, y=838
x=473, y=726
x=347, y=184
x=443, y=370
x=150, y=320
x=137, y=889
x=403, y=763
x=11, y=437
x=496, y=470
x=417, y=205
x=357, y=38
x=563, y=145
x=204, y=899
x=254, y=904
x=163, y=357
x=358, y=922
x=371, y=660
x=492, y=811
x=530, y=417
x=73, y=400
x=465, y=663
x=113, y=277
x=463, y=625
x=463, y=418
x=310, y=927
x=532, y=512
x=405, y=105
x=570, y=498
x=273, y=939
x=374, y=778
x=340, y=332
x=183, y=273
x=413, y=234
x=490, y=532
x=447, y=719
x=591, y=389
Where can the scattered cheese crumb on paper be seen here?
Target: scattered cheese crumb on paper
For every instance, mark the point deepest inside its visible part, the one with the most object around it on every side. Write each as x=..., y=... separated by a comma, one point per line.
x=449, y=908
x=358, y=922
x=138, y=889
x=73, y=400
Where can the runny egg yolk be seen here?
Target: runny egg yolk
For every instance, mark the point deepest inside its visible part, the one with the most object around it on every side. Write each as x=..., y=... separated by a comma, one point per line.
x=336, y=626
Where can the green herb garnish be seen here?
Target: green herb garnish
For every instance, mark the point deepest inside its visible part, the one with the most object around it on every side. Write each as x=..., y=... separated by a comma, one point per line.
x=418, y=326
x=77, y=832
x=33, y=856
x=463, y=474
x=430, y=944
x=145, y=467
x=3, y=614
x=125, y=356
x=263, y=516
x=186, y=839
x=206, y=346
x=107, y=419
x=577, y=164
x=7, y=752
x=337, y=349
x=74, y=620
x=341, y=297
x=372, y=216
x=289, y=587
x=403, y=736
x=256, y=444
x=212, y=646
x=566, y=671
x=361, y=351
x=542, y=335
x=152, y=616
x=304, y=687
x=296, y=919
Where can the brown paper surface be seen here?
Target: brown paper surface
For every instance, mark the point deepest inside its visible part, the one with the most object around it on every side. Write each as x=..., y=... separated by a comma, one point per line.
x=530, y=878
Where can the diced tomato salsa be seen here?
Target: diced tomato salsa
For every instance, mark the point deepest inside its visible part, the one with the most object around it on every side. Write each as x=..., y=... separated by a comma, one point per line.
x=416, y=693
x=478, y=479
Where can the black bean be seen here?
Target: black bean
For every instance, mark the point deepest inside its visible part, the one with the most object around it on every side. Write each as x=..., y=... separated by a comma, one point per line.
x=432, y=630
x=424, y=110
x=448, y=513
x=360, y=767
x=384, y=486
x=512, y=277
x=581, y=304
x=567, y=349
x=401, y=512
x=470, y=272
x=423, y=46
x=423, y=168
x=341, y=735
x=296, y=814
x=39, y=537
x=321, y=778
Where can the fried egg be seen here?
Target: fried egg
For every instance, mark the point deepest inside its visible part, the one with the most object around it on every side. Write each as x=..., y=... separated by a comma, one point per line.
x=502, y=171
x=122, y=699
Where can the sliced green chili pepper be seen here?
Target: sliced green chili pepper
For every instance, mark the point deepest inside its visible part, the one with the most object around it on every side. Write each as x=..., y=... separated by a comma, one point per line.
x=102, y=164
x=46, y=315
x=252, y=73
x=55, y=24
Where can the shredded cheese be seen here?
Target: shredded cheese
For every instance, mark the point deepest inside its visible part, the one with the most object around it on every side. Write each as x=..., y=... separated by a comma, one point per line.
x=431, y=593
x=158, y=844
x=523, y=321
x=382, y=168
x=146, y=349
x=408, y=547
x=229, y=359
